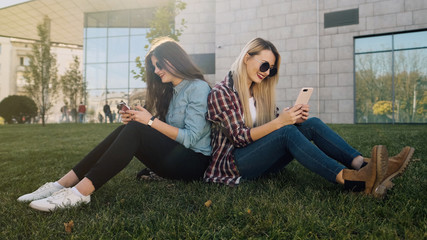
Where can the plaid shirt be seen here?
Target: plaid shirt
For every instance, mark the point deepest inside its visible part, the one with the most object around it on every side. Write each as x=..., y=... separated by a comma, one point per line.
x=228, y=131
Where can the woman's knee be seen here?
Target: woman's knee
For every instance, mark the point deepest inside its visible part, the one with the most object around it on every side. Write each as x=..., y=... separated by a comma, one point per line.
x=134, y=125
x=288, y=130
x=314, y=121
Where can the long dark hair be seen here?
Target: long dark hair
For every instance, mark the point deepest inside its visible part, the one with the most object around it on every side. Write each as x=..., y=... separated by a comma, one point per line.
x=171, y=57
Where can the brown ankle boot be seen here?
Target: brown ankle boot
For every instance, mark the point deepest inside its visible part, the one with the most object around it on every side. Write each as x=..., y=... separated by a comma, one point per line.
x=396, y=166
x=371, y=176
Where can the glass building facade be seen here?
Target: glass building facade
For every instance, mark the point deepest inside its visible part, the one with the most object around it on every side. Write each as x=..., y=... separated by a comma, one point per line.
x=391, y=78
x=112, y=42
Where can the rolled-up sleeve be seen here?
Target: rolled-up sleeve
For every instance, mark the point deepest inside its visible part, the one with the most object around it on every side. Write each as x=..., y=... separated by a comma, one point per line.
x=195, y=123
x=225, y=109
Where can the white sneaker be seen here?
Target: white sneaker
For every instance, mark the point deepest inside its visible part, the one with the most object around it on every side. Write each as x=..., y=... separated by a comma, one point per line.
x=62, y=199
x=42, y=192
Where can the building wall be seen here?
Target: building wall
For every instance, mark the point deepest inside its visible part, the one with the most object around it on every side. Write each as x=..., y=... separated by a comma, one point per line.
x=311, y=54
x=5, y=68
x=199, y=35
x=11, y=72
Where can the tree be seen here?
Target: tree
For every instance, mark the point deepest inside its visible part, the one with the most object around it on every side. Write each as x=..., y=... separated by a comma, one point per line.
x=73, y=86
x=18, y=108
x=41, y=73
x=163, y=24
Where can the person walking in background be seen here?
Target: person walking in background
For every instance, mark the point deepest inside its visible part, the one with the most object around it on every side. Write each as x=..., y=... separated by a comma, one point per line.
x=171, y=135
x=64, y=111
x=114, y=116
x=100, y=118
x=250, y=139
x=73, y=114
x=82, y=112
x=107, y=112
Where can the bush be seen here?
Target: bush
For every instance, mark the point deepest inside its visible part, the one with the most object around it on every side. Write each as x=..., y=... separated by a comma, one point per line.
x=18, y=108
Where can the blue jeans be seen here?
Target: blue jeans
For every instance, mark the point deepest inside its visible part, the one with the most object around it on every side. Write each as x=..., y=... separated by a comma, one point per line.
x=326, y=157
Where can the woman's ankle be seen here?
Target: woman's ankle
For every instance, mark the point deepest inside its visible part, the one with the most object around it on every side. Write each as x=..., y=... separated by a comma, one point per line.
x=357, y=162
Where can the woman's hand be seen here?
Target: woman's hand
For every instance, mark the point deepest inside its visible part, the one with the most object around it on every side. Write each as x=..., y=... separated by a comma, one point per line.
x=290, y=116
x=126, y=116
x=141, y=115
x=304, y=115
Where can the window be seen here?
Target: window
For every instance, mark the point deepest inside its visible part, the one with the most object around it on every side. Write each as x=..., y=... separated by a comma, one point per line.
x=24, y=61
x=112, y=41
x=391, y=78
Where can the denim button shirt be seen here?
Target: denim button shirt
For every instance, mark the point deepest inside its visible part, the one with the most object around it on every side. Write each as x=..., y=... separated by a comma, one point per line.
x=187, y=111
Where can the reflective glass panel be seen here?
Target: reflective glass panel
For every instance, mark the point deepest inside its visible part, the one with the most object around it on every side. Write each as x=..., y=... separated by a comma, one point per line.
x=137, y=97
x=373, y=44
x=139, y=31
x=96, y=76
x=411, y=86
x=118, y=32
x=118, y=23
x=95, y=103
x=410, y=40
x=96, y=32
x=96, y=24
x=118, y=75
x=96, y=50
x=135, y=83
x=137, y=47
x=118, y=49
x=374, y=88
x=141, y=18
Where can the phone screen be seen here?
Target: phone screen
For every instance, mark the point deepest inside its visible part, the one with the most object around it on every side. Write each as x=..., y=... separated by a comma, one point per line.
x=304, y=95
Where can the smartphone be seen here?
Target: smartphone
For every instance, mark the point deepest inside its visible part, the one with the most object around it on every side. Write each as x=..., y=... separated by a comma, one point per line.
x=123, y=106
x=304, y=95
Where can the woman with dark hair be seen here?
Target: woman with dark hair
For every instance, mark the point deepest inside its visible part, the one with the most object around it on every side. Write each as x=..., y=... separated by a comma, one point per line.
x=170, y=136
x=251, y=140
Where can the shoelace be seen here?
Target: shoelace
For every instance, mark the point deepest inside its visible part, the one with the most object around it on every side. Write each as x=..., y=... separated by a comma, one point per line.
x=60, y=193
x=46, y=185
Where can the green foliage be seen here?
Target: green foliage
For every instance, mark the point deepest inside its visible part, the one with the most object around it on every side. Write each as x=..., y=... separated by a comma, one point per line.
x=375, y=85
x=73, y=86
x=18, y=108
x=293, y=204
x=163, y=24
x=41, y=73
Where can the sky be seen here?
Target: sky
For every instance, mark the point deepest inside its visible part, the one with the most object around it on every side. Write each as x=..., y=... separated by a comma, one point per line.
x=7, y=3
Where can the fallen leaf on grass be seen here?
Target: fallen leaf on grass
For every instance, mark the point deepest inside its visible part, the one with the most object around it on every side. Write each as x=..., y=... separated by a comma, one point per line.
x=249, y=211
x=69, y=226
x=208, y=203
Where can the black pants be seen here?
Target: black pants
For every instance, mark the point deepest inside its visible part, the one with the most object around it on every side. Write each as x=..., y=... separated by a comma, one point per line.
x=164, y=156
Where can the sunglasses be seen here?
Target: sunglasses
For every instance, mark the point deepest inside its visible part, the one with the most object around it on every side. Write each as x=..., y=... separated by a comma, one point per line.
x=159, y=65
x=265, y=66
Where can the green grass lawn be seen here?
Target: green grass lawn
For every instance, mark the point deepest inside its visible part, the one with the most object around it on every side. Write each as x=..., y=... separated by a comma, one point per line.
x=295, y=204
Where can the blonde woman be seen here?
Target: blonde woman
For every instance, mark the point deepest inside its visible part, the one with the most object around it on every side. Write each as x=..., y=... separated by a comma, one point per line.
x=249, y=140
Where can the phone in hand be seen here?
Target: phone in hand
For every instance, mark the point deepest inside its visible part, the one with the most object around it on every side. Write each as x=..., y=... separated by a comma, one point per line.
x=123, y=106
x=304, y=95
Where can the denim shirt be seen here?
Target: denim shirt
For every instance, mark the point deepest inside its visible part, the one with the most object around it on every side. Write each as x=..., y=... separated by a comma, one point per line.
x=187, y=111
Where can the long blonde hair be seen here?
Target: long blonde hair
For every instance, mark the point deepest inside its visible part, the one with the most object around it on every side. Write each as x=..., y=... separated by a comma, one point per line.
x=264, y=93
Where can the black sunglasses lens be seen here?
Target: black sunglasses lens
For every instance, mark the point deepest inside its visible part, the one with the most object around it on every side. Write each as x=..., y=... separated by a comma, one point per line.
x=159, y=66
x=264, y=67
x=273, y=72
